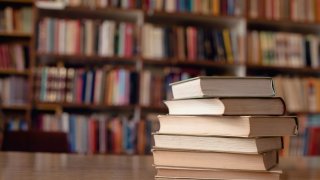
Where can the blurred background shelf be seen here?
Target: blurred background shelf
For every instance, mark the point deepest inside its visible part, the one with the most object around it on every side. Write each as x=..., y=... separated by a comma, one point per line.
x=147, y=47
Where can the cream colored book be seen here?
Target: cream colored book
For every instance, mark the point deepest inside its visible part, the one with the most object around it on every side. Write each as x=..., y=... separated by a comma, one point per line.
x=169, y=173
x=235, y=126
x=218, y=144
x=215, y=160
x=213, y=86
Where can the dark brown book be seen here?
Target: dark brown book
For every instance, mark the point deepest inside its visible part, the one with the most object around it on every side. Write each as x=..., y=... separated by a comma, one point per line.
x=213, y=86
x=227, y=106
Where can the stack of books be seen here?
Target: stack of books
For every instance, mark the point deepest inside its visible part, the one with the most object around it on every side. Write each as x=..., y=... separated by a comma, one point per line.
x=222, y=128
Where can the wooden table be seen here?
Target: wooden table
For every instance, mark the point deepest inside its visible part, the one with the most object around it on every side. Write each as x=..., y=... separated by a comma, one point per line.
x=42, y=166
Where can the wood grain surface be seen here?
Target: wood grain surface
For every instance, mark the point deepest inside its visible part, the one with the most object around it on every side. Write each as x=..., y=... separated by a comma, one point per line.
x=45, y=166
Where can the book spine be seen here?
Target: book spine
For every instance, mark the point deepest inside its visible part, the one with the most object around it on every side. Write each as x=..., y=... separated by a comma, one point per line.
x=58, y=84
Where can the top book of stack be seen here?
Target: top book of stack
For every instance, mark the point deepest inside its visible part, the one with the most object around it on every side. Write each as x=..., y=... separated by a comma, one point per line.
x=211, y=86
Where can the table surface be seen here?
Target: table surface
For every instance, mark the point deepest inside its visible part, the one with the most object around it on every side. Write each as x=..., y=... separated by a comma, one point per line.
x=45, y=166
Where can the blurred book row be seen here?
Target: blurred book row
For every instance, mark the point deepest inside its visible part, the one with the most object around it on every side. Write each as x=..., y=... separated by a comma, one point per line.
x=307, y=142
x=13, y=56
x=86, y=37
x=283, y=49
x=209, y=7
x=101, y=133
x=16, y=20
x=191, y=43
x=87, y=86
x=300, y=94
x=14, y=91
x=296, y=10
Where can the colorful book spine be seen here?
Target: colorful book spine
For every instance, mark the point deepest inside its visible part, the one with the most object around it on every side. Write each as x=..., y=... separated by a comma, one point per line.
x=190, y=44
x=295, y=10
x=94, y=86
x=16, y=20
x=283, y=49
x=208, y=7
x=13, y=56
x=307, y=141
x=86, y=37
x=14, y=91
x=101, y=133
x=16, y=124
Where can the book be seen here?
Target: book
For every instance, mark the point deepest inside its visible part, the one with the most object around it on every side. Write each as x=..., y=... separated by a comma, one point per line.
x=217, y=144
x=210, y=86
x=216, y=160
x=50, y=4
x=227, y=106
x=164, y=172
x=234, y=126
x=312, y=141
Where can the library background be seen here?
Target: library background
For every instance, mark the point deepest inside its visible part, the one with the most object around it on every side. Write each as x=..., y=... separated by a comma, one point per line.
x=89, y=76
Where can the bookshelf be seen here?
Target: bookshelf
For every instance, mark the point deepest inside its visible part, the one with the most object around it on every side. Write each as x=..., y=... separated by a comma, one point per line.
x=16, y=36
x=169, y=68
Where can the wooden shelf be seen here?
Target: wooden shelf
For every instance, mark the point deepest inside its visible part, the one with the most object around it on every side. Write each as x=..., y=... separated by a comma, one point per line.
x=94, y=13
x=17, y=107
x=14, y=72
x=15, y=35
x=47, y=106
x=83, y=59
x=189, y=63
x=90, y=107
x=183, y=17
x=161, y=109
x=285, y=69
x=17, y=2
x=284, y=25
x=304, y=113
